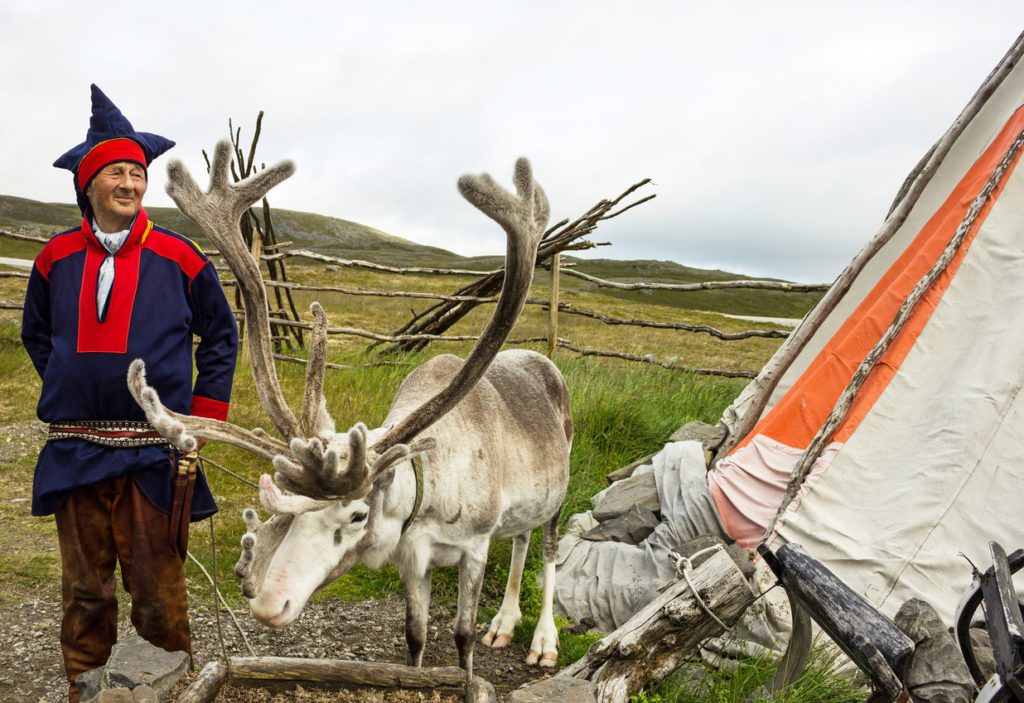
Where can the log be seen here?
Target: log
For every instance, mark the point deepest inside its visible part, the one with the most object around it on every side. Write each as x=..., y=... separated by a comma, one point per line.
x=205, y=688
x=654, y=642
x=356, y=673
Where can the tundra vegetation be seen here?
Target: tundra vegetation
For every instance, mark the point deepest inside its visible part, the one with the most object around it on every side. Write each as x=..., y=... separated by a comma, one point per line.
x=621, y=411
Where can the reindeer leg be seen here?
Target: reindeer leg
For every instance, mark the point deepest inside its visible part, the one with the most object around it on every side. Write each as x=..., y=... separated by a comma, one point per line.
x=417, y=604
x=471, y=578
x=504, y=623
x=544, y=649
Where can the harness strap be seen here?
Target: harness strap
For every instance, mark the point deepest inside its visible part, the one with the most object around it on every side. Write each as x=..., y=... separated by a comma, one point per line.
x=417, y=469
x=109, y=433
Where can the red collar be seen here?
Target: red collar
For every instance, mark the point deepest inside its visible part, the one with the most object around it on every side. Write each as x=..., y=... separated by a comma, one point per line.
x=136, y=236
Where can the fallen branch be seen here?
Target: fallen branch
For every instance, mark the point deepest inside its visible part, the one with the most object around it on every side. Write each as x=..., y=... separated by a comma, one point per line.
x=656, y=640
x=702, y=285
x=24, y=237
x=651, y=359
x=356, y=263
x=681, y=326
x=561, y=237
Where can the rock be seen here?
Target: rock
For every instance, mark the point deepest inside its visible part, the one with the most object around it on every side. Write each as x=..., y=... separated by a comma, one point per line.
x=560, y=689
x=981, y=643
x=937, y=673
x=627, y=471
x=89, y=683
x=621, y=495
x=480, y=690
x=632, y=527
x=711, y=436
x=113, y=695
x=145, y=694
x=135, y=667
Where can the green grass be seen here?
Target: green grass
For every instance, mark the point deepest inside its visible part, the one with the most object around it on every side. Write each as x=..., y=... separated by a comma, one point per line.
x=622, y=411
x=820, y=682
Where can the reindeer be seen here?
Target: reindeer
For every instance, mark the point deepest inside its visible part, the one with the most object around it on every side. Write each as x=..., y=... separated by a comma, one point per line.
x=495, y=462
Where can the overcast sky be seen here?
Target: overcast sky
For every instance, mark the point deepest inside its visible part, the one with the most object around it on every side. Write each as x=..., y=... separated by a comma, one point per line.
x=776, y=133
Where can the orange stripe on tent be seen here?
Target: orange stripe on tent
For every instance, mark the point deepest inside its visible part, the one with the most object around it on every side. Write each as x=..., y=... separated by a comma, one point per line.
x=797, y=417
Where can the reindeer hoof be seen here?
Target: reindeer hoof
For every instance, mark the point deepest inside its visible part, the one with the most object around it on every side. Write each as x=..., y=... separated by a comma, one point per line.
x=496, y=642
x=549, y=659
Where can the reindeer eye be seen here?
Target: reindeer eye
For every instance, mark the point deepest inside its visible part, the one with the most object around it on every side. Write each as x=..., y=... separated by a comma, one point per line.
x=337, y=536
x=358, y=517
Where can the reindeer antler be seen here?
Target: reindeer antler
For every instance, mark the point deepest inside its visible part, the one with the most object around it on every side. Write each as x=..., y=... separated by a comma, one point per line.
x=524, y=217
x=217, y=212
x=314, y=469
x=182, y=430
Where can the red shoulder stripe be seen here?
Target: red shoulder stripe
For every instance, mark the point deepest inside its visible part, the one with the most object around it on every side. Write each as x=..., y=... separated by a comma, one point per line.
x=61, y=246
x=178, y=249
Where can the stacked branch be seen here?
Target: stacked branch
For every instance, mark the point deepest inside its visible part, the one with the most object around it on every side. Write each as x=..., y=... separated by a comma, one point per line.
x=564, y=236
x=258, y=230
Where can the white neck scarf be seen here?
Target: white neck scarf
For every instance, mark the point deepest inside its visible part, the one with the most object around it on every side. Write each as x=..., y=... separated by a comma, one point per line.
x=105, y=281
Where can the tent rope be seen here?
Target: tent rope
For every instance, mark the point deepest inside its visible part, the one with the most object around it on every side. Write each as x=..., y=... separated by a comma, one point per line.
x=684, y=567
x=846, y=398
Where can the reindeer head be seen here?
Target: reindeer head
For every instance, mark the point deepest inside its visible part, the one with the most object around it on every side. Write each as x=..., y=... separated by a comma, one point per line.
x=334, y=478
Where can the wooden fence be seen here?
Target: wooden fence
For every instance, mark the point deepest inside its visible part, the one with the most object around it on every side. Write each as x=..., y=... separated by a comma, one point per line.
x=277, y=253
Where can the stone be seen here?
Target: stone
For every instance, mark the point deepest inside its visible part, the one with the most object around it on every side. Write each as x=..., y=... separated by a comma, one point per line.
x=113, y=695
x=937, y=672
x=632, y=527
x=89, y=683
x=621, y=495
x=627, y=471
x=480, y=690
x=559, y=689
x=711, y=436
x=145, y=694
x=135, y=662
x=983, y=655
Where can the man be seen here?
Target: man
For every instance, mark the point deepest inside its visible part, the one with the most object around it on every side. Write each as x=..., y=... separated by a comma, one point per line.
x=115, y=289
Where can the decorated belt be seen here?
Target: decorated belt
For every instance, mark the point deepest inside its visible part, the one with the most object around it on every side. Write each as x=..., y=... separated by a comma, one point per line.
x=110, y=433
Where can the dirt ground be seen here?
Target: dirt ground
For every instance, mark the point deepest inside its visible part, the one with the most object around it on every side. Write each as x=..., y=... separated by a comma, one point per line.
x=31, y=669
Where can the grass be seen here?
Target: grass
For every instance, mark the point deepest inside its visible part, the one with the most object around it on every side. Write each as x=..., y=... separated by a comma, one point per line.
x=821, y=682
x=621, y=410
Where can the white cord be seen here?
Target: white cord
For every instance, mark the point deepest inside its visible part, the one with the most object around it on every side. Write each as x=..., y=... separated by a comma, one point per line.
x=684, y=566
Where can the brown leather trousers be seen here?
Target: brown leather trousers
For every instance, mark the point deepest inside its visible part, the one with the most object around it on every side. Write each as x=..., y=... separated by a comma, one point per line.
x=99, y=526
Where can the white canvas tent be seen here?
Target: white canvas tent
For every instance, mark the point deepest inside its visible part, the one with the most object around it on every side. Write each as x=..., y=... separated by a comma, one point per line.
x=922, y=453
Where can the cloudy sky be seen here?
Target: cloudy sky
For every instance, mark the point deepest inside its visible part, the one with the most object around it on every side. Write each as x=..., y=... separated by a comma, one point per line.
x=776, y=133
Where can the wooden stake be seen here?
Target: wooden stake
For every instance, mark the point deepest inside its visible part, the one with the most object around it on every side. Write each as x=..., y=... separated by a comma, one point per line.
x=553, y=306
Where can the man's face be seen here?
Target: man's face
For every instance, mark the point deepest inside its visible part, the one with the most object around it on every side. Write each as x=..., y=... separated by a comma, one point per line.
x=115, y=193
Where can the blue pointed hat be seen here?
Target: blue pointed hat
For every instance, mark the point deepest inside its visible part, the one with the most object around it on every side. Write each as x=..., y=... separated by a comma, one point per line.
x=110, y=138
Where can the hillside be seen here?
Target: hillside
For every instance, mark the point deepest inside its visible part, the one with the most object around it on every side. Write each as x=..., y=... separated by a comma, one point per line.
x=351, y=240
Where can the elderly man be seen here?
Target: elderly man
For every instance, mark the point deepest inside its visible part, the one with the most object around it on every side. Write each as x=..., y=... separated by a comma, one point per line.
x=115, y=289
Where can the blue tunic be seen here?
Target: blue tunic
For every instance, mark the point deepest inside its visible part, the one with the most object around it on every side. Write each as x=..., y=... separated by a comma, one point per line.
x=165, y=291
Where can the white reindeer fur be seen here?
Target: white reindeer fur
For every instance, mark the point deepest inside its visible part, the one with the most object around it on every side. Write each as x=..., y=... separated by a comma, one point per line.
x=494, y=442
x=500, y=463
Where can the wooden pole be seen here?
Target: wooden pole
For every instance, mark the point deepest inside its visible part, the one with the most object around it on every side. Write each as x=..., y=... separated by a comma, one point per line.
x=553, y=307
x=257, y=250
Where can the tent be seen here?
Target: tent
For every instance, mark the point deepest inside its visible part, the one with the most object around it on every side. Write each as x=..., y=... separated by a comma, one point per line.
x=886, y=435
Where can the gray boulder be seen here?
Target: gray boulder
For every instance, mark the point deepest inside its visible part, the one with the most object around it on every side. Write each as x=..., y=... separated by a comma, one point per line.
x=136, y=668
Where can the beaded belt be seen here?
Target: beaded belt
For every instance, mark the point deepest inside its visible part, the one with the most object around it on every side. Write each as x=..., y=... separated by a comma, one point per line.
x=110, y=433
